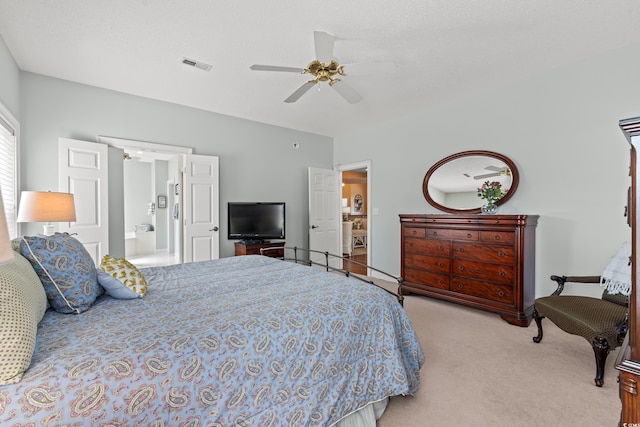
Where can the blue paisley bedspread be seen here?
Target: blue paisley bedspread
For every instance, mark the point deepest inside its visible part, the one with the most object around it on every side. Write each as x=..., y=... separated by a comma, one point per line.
x=240, y=341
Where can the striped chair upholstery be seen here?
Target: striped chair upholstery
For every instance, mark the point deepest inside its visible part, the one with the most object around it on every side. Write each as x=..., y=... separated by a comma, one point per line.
x=601, y=321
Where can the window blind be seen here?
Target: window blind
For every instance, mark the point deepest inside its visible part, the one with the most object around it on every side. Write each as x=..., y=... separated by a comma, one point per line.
x=8, y=173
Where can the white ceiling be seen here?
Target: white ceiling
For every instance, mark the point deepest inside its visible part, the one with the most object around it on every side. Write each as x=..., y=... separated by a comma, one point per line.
x=442, y=49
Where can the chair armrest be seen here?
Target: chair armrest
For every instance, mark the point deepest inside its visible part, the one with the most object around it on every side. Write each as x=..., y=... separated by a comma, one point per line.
x=561, y=280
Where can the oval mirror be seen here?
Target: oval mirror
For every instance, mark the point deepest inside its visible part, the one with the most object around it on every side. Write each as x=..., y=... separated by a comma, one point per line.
x=451, y=185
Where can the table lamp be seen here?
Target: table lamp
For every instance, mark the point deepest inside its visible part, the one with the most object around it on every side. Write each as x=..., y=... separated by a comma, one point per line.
x=6, y=253
x=46, y=206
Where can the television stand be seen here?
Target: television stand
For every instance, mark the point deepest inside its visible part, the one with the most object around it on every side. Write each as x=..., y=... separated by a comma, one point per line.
x=253, y=242
x=245, y=248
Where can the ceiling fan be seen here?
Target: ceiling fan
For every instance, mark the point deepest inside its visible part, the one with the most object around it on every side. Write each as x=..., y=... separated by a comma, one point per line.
x=497, y=171
x=325, y=68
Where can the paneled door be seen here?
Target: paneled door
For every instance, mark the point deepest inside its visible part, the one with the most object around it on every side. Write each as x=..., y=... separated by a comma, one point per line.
x=325, y=217
x=83, y=171
x=201, y=208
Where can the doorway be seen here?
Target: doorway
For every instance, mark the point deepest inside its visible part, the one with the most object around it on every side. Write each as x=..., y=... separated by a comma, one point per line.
x=148, y=168
x=356, y=216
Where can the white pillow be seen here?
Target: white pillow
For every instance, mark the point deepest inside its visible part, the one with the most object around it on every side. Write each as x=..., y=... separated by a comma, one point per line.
x=114, y=287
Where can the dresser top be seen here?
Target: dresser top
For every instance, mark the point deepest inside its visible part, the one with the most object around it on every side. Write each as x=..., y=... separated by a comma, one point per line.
x=471, y=219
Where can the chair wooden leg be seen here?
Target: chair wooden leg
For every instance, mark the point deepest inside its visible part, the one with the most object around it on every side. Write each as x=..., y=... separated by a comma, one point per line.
x=538, y=320
x=601, y=350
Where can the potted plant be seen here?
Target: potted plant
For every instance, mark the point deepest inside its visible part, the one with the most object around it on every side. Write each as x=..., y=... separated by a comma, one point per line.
x=491, y=192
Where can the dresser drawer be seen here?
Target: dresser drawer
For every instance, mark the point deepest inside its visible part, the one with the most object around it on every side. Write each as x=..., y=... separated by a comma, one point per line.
x=426, y=278
x=481, y=252
x=493, y=272
x=505, y=237
x=425, y=262
x=427, y=246
x=444, y=233
x=480, y=289
x=413, y=232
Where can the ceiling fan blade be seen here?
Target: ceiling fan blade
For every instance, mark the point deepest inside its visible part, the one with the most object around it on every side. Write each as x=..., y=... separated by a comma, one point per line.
x=324, y=46
x=258, y=67
x=300, y=91
x=380, y=67
x=495, y=168
x=489, y=175
x=347, y=92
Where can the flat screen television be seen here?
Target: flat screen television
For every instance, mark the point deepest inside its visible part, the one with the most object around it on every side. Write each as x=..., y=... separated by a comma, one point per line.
x=256, y=221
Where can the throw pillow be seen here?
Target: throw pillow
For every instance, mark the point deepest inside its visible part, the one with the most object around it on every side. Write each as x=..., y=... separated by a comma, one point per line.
x=22, y=305
x=114, y=287
x=66, y=271
x=125, y=272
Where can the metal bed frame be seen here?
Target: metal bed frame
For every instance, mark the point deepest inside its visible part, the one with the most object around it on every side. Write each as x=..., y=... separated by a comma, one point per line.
x=329, y=268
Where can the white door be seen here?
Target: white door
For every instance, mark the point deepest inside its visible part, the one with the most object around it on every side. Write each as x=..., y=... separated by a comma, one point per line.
x=324, y=214
x=201, y=208
x=83, y=171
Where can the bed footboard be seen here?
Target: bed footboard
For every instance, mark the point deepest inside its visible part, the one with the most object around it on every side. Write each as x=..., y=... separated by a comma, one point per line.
x=303, y=256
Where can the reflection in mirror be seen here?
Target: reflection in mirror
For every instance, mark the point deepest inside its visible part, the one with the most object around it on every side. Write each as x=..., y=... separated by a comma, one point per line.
x=452, y=184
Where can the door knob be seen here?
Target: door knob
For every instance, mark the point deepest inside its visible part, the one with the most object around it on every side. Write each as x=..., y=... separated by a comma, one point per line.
x=314, y=226
x=214, y=229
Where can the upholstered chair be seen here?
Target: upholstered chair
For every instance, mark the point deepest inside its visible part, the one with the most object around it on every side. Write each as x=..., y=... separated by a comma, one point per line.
x=601, y=321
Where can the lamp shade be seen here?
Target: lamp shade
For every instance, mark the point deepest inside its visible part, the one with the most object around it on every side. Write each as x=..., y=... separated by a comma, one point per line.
x=46, y=206
x=6, y=253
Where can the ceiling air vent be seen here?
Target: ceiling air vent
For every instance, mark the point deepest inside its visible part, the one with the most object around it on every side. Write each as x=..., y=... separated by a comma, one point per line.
x=196, y=64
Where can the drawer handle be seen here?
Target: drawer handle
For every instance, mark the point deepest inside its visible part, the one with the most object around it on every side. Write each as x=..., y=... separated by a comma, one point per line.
x=497, y=237
x=501, y=293
x=415, y=232
x=468, y=235
x=441, y=248
x=501, y=253
x=440, y=264
x=435, y=233
x=460, y=285
x=410, y=245
x=461, y=250
x=461, y=268
x=502, y=273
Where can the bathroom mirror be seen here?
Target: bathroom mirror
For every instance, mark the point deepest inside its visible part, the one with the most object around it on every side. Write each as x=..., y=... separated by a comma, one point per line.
x=451, y=184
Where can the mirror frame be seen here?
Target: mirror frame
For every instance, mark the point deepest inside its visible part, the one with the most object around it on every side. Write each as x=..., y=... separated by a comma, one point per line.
x=515, y=178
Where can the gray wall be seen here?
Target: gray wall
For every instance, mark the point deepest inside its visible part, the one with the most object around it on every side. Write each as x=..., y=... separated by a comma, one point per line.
x=561, y=130
x=257, y=161
x=9, y=80
x=160, y=177
x=116, y=202
x=137, y=194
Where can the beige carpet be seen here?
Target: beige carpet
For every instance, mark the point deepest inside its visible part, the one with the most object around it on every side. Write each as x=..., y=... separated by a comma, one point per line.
x=481, y=371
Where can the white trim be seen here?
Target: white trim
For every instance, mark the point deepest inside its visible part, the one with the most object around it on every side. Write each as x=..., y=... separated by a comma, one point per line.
x=160, y=151
x=10, y=119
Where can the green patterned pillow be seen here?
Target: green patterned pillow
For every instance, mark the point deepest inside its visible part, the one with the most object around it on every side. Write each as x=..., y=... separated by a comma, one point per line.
x=22, y=305
x=125, y=272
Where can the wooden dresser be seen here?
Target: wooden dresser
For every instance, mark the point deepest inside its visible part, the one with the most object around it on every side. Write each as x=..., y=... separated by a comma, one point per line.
x=628, y=360
x=483, y=261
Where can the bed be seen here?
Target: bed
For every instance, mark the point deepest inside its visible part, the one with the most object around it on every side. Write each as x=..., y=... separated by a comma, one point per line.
x=240, y=341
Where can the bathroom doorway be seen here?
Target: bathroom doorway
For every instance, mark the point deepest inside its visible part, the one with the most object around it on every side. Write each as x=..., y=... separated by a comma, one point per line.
x=148, y=167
